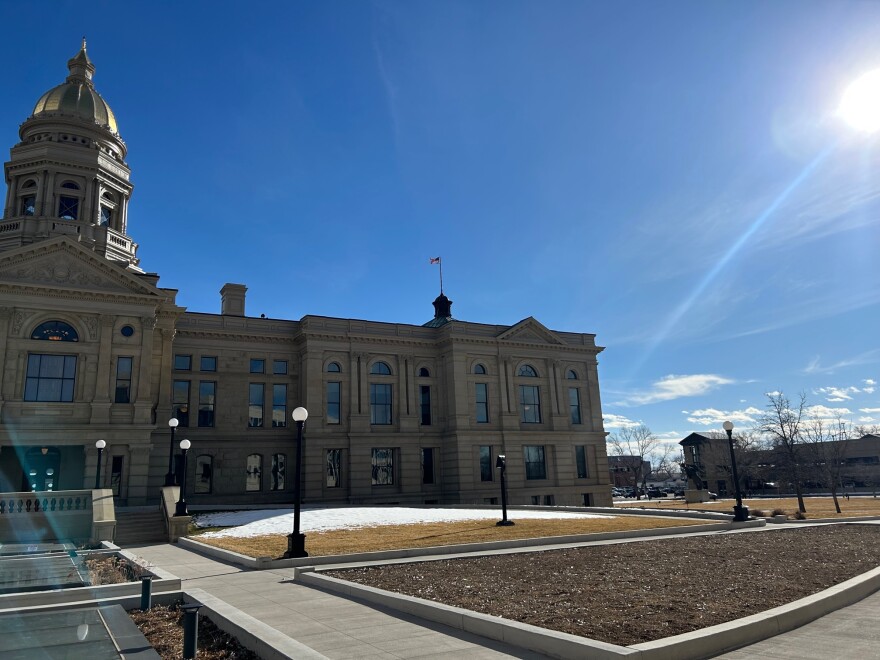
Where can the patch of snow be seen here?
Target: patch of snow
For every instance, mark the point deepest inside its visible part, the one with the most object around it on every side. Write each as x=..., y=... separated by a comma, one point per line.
x=314, y=519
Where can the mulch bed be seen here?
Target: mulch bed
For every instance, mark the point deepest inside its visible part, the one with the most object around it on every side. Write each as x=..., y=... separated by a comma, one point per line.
x=627, y=593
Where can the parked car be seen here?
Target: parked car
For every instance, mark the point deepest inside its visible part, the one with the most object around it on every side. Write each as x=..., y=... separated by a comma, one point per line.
x=656, y=492
x=713, y=496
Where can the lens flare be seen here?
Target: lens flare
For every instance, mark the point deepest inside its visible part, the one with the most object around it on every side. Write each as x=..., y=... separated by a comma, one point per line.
x=860, y=105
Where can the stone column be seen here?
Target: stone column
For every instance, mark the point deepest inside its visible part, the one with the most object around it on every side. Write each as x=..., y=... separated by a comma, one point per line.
x=5, y=318
x=163, y=405
x=138, y=476
x=144, y=392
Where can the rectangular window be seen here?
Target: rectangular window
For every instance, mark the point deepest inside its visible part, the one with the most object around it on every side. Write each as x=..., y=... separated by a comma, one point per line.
x=258, y=366
x=279, y=406
x=116, y=475
x=425, y=404
x=574, y=405
x=68, y=208
x=29, y=205
x=255, y=404
x=279, y=367
x=380, y=403
x=427, y=465
x=183, y=362
x=580, y=452
x=334, y=397
x=549, y=500
x=486, y=467
x=207, y=392
x=123, y=380
x=536, y=468
x=334, y=468
x=106, y=215
x=180, y=401
x=254, y=476
x=208, y=363
x=50, y=378
x=383, y=467
x=279, y=467
x=482, y=403
x=204, y=474
x=530, y=404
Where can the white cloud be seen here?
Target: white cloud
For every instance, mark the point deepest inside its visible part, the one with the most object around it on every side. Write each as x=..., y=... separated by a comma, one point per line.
x=868, y=357
x=866, y=420
x=669, y=435
x=773, y=393
x=869, y=411
x=617, y=421
x=869, y=381
x=710, y=416
x=675, y=387
x=825, y=413
x=836, y=394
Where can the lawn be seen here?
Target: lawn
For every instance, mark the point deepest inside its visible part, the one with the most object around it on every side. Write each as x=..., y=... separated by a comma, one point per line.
x=423, y=535
x=817, y=507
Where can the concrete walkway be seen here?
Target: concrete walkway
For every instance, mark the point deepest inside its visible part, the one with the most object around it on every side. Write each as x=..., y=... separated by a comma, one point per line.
x=340, y=628
x=336, y=627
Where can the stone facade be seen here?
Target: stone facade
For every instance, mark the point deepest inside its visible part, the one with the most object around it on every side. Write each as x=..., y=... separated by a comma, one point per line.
x=397, y=413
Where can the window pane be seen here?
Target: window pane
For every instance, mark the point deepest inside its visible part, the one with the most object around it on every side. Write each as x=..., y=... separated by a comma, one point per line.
x=123, y=380
x=68, y=208
x=254, y=473
x=207, y=403
x=534, y=460
x=55, y=331
x=530, y=404
x=383, y=467
x=380, y=403
x=279, y=406
x=334, y=468
x=479, y=369
x=279, y=367
x=279, y=466
x=258, y=366
x=183, y=362
x=574, y=404
x=486, y=473
x=180, y=401
x=106, y=214
x=50, y=378
x=333, y=402
x=208, y=363
x=380, y=369
x=528, y=371
x=427, y=465
x=333, y=367
x=425, y=404
x=581, y=457
x=255, y=405
x=482, y=402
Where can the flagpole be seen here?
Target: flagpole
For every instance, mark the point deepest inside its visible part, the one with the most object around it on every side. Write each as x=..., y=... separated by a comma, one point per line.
x=441, y=278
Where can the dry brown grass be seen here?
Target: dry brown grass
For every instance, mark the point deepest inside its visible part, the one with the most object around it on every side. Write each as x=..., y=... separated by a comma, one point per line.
x=817, y=507
x=423, y=535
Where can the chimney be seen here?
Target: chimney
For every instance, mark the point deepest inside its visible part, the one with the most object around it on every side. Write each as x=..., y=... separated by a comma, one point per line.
x=232, y=299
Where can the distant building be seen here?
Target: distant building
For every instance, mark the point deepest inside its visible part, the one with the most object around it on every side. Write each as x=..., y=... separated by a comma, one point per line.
x=625, y=473
x=92, y=347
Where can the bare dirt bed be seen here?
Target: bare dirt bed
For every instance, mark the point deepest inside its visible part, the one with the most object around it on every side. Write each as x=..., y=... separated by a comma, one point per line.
x=627, y=593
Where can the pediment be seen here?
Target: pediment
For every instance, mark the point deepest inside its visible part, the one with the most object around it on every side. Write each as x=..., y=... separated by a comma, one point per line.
x=61, y=263
x=530, y=331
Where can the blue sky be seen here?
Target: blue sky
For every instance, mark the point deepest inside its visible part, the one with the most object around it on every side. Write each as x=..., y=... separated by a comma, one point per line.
x=670, y=176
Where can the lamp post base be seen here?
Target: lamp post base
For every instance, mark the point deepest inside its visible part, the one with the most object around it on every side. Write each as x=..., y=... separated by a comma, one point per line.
x=169, y=479
x=296, y=546
x=180, y=509
x=740, y=513
x=504, y=523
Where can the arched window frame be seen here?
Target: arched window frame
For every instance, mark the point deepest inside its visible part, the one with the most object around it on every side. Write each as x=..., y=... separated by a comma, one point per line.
x=527, y=371
x=571, y=374
x=63, y=331
x=333, y=368
x=381, y=368
x=70, y=200
x=424, y=372
x=27, y=197
x=107, y=209
x=480, y=369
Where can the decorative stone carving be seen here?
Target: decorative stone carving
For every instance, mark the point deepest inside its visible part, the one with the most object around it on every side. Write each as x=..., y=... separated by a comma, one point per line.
x=91, y=324
x=62, y=269
x=18, y=321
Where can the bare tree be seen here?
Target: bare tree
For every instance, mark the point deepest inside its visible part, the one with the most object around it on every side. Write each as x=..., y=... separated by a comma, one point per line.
x=825, y=441
x=639, y=444
x=781, y=424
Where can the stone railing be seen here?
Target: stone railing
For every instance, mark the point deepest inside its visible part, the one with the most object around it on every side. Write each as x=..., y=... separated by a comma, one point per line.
x=66, y=515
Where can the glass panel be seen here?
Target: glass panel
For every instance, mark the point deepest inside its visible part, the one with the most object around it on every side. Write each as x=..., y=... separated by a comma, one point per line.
x=534, y=460
x=333, y=402
x=50, y=378
x=425, y=404
x=383, y=467
x=258, y=366
x=530, y=408
x=55, y=331
x=204, y=474
x=29, y=205
x=480, y=369
x=254, y=473
x=208, y=363
x=482, y=402
x=279, y=406
x=279, y=466
x=123, y=380
x=68, y=208
x=581, y=457
x=424, y=373
x=574, y=404
x=380, y=403
x=333, y=367
x=427, y=466
x=255, y=405
x=279, y=367
x=182, y=362
x=106, y=215
x=207, y=403
x=180, y=401
x=571, y=375
x=486, y=463
x=528, y=371
x=334, y=468
x=380, y=369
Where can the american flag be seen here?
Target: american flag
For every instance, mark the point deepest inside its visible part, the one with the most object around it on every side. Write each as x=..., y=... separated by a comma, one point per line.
x=435, y=260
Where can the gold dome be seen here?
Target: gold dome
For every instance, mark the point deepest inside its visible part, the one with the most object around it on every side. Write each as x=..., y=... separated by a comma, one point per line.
x=77, y=96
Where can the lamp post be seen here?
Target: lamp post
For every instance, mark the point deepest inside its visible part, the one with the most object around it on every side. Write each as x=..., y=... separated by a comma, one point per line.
x=180, y=509
x=100, y=444
x=740, y=512
x=169, y=478
x=501, y=464
x=296, y=541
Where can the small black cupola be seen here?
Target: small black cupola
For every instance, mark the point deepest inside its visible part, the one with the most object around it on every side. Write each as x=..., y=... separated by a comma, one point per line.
x=442, y=312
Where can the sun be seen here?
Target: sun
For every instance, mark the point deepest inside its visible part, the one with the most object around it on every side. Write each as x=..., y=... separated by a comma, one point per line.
x=860, y=105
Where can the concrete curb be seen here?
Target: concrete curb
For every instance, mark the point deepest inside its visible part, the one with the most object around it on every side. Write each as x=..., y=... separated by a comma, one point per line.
x=265, y=641
x=266, y=563
x=696, y=645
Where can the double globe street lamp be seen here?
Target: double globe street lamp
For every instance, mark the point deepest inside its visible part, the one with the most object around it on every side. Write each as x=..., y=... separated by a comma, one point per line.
x=740, y=512
x=296, y=541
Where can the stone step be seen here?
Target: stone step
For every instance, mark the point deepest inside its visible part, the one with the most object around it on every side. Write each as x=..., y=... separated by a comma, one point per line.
x=139, y=527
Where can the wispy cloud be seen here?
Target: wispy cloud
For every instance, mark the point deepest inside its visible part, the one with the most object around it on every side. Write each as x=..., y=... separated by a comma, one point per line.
x=837, y=394
x=675, y=387
x=617, y=421
x=713, y=416
x=869, y=411
x=825, y=413
x=868, y=357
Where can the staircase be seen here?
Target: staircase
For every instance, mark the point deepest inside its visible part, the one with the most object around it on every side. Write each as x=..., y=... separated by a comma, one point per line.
x=140, y=525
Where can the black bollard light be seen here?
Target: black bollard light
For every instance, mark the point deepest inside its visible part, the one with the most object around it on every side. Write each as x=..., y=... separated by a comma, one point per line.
x=100, y=444
x=146, y=592
x=169, y=477
x=180, y=509
x=501, y=464
x=190, y=630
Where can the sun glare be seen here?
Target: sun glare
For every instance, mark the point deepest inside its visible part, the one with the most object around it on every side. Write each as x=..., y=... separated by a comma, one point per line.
x=860, y=106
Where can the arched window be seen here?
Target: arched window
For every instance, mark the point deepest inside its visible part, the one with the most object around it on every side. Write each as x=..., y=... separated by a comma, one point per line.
x=70, y=185
x=479, y=369
x=107, y=206
x=279, y=469
x=424, y=373
x=55, y=331
x=30, y=183
x=68, y=204
x=380, y=369
x=528, y=371
x=334, y=368
x=571, y=375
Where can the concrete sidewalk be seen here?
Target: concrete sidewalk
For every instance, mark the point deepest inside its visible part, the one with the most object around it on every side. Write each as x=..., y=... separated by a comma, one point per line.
x=333, y=626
